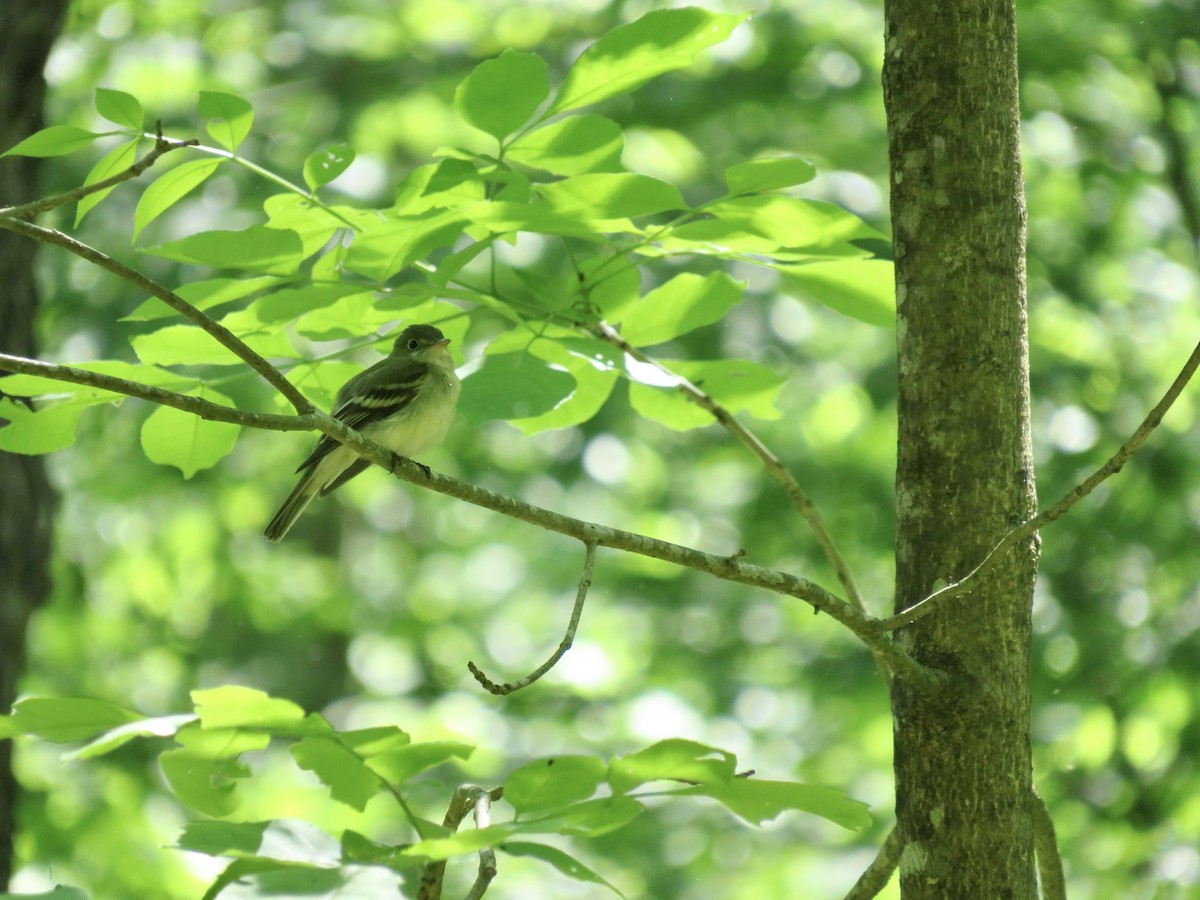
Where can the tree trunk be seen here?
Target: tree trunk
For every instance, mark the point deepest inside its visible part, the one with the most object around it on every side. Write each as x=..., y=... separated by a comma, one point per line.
x=26, y=498
x=964, y=469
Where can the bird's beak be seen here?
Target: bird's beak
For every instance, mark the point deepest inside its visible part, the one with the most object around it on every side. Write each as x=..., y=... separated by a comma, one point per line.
x=442, y=344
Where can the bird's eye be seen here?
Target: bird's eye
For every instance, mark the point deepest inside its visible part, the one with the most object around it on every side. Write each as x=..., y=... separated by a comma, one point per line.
x=413, y=344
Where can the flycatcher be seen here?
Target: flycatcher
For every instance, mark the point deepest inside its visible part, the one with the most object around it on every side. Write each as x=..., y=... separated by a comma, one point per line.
x=405, y=402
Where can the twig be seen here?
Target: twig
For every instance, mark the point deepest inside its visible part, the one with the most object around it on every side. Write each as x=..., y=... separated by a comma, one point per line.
x=197, y=406
x=464, y=799
x=1045, y=843
x=223, y=335
x=773, y=465
x=585, y=582
x=876, y=876
x=1115, y=463
x=728, y=568
x=487, y=856
x=162, y=146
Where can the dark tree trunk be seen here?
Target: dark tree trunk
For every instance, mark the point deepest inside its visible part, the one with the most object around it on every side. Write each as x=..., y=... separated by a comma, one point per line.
x=964, y=470
x=26, y=498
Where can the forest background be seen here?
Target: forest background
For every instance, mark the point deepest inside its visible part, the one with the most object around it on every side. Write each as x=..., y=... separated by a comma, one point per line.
x=371, y=610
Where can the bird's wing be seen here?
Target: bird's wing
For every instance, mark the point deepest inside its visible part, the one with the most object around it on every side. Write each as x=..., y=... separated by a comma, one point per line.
x=371, y=396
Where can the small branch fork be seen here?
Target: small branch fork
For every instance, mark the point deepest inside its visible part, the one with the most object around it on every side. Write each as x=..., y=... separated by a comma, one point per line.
x=467, y=798
x=585, y=582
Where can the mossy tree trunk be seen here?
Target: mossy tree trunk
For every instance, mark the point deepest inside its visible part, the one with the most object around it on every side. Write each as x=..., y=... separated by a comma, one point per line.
x=964, y=470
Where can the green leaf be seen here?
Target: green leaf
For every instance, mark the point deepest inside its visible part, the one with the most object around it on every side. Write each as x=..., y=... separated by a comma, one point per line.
x=611, y=195
x=683, y=304
x=547, y=784
x=674, y=759
x=323, y=166
x=169, y=188
x=564, y=862
x=758, y=801
x=230, y=117
x=190, y=345
x=572, y=146
x=269, y=251
x=538, y=218
x=590, y=818
x=373, y=741
x=172, y=437
x=630, y=55
x=461, y=842
x=158, y=726
x=513, y=386
x=57, y=140
x=736, y=384
x=39, y=386
x=760, y=175
x=864, y=289
x=501, y=94
x=116, y=160
x=399, y=765
x=204, y=772
x=32, y=432
x=348, y=779
x=359, y=849
x=65, y=719
x=223, y=838
x=812, y=225
x=315, y=224
x=120, y=108
x=349, y=317
x=393, y=246
x=235, y=706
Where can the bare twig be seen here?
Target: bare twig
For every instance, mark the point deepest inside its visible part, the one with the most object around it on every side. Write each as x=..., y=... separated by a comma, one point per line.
x=487, y=856
x=1050, y=870
x=162, y=146
x=876, y=876
x=197, y=406
x=771, y=463
x=223, y=335
x=585, y=582
x=466, y=798
x=1115, y=463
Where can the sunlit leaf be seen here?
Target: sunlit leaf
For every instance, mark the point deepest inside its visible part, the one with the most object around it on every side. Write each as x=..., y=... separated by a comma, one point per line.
x=116, y=160
x=323, y=166
x=546, y=784
x=172, y=437
x=391, y=247
x=347, y=778
x=236, y=706
x=684, y=303
x=270, y=251
x=758, y=801
x=737, y=385
x=401, y=764
x=863, y=289
x=759, y=175
x=501, y=94
x=673, y=759
x=229, y=115
x=630, y=55
x=169, y=188
x=57, y=140
x=32, y=432
x=513, y=386
x=611, y=195
x=222, y=838
x=571, y=146
x=63, y=719
x=120, y=108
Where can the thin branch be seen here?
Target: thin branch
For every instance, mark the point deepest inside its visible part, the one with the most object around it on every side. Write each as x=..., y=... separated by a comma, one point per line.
x=877, y=875
x=728, y=568
x=585, y=582
x=465, y=799
x=487, y=856
x=223, y=335
x=197, y=406
x=1045, y=843
x=162, y=146
x=1114, y=465
x=773, y=465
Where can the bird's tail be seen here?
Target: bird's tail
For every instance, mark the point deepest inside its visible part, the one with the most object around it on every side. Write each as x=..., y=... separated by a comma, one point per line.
x=297, y=500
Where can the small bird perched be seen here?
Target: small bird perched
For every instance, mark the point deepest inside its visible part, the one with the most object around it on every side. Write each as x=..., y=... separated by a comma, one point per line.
x=405, y=402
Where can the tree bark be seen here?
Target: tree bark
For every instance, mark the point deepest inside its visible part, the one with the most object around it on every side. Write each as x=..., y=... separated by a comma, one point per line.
x=964, y=469
x=26, y=498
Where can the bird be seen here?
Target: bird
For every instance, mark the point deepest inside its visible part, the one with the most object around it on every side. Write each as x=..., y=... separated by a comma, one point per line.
x=406, y=402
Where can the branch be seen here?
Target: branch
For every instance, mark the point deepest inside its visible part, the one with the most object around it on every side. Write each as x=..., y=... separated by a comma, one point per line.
x=773, y=465
x=727, y=568
x=223, y=335
x=876, y=876
x=162, y=146
x=1114, y=465
x=487, y=856
x=585, y=582
x=465, y=798
x=1045, y=844
x=197, y=406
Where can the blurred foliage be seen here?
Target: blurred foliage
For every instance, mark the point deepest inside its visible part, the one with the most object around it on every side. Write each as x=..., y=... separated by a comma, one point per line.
x=371, y=610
